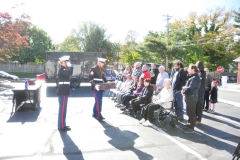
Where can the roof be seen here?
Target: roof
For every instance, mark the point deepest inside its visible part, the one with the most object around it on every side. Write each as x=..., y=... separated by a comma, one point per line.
x=237, y=59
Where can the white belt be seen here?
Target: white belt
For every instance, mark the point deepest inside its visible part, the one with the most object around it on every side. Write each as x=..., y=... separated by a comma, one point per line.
x=98, y=79
x=63, y=82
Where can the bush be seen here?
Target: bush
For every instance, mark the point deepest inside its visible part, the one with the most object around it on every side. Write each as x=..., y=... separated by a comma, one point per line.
x=24, y=75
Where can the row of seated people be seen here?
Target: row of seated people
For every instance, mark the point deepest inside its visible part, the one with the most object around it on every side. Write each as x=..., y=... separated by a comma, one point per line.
x=136, y=94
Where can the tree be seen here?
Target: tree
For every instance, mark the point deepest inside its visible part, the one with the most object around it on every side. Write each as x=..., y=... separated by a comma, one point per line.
x=38, y=43
x=93, y=38
x=71, y=43
x=205, y=37
x=128, y=55
x=131, y=37
x=12, y=34
x=237, y=18
x=155, y=47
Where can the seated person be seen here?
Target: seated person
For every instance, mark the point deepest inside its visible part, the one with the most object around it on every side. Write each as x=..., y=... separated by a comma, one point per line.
x=125, y=88
x=163, y=99
x=144, y=97
x=135, y=94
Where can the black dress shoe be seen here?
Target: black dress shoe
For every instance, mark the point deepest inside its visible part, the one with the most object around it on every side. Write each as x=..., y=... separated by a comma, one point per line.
x=186, y=126
x=67, y=128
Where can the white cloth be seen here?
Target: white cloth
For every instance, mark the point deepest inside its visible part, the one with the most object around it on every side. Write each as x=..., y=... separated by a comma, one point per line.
x=164, y=98
x=160, y=79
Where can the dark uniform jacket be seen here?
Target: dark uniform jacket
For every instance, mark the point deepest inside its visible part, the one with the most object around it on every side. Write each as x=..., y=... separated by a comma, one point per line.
x=202, y=75
x=180, y=80
x=146, y=94
x=208, y=82
x=96, y=72
x=64, y=76
x=192, y=86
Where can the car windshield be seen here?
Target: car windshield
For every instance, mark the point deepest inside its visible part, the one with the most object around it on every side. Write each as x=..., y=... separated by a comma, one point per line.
x=5, y=73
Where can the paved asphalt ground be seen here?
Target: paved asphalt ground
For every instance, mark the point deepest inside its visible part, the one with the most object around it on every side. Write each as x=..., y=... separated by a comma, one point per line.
x=33, y=135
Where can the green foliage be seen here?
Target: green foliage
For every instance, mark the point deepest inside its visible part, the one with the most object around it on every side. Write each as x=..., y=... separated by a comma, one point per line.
x=38, y=42
x=128, y=55
x=155, y=47
x=24, y=74
x=93, y=38
x=237, y=18
x=205, y=37
x=70, y=44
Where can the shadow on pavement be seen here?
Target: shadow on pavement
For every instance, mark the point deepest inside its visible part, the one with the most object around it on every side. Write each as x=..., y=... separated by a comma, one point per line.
x=209, y=136
x=123, y=140
x=227, y=116
x=24, y=115
x=222, y=121
x=70, y=150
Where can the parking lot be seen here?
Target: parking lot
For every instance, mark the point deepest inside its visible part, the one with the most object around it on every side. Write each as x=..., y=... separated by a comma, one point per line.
x=29, y=134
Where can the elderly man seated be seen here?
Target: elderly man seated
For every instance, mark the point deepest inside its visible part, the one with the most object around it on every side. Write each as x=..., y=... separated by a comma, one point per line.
x=163, y=99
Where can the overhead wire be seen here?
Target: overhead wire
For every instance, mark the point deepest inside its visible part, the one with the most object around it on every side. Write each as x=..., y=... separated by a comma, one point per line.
x=203, y=39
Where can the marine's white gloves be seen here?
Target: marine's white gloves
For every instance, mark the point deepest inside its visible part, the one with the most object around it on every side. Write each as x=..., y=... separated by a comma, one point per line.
x=97, y=87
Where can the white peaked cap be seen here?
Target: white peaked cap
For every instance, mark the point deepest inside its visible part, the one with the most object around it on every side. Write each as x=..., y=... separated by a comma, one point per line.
x=64, y=58
x=102, y=60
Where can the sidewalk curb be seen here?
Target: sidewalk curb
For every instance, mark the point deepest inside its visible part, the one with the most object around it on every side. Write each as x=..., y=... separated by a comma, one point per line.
x=229, y=89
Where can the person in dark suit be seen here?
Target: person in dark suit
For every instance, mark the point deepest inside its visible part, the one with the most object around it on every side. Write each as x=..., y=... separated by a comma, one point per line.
x=97, y=75
x=201, y=92
x=207, y=89
x=190, y=92
x=63, y=91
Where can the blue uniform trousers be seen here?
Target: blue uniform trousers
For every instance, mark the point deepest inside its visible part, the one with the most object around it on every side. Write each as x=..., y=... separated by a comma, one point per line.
x=97, y=108
x=62, y=100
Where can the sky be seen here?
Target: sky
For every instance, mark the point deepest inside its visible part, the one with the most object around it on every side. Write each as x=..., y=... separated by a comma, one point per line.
x=59, y=17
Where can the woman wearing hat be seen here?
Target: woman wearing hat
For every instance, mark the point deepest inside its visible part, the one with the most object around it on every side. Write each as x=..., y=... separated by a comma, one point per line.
x=64, y=73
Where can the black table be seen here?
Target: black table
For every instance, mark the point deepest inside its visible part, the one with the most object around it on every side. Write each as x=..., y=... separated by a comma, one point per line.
x=31, y=96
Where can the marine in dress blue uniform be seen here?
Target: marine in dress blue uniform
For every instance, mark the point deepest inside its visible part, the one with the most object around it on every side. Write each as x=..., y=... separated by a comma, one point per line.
x=97, y=75
x=64, y=73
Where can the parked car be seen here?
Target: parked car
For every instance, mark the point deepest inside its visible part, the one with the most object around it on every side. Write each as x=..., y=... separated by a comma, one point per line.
x=231, y=79
x=7, y=76
x=111, y=75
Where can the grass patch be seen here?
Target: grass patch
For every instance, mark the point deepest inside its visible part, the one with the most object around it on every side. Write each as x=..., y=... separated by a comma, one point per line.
x=24, y=75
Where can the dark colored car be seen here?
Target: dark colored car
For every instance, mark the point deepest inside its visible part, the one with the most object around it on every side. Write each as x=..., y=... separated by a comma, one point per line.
x=111, y=75
x=7, y=76
x=231, y=79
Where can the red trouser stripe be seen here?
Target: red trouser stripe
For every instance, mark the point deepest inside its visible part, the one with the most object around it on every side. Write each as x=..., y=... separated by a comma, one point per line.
x=63, y=105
